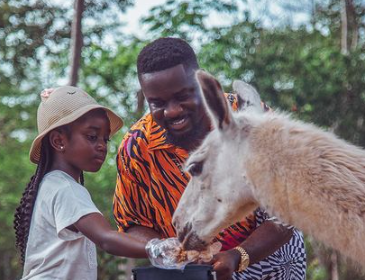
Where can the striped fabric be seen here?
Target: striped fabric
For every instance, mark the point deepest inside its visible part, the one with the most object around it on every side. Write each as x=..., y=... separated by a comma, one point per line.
x=287, y=263
x=151, y=181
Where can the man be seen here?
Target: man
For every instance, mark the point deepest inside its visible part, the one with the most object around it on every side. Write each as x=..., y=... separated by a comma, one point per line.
x=151, y=178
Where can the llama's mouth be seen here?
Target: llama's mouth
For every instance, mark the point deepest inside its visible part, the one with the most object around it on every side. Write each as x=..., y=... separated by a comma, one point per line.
x=193, y=242
x=190, y=240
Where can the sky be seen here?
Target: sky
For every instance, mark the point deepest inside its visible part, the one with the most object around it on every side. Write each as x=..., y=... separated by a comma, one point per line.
x=141, y=8
x=134, y=14
x=258, y=9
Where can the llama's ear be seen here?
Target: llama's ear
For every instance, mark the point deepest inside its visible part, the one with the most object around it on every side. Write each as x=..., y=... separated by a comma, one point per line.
x=214, y=99
x=248, y=97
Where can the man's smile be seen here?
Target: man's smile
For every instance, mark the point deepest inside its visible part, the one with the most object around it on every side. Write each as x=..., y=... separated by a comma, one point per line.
x=178, y=124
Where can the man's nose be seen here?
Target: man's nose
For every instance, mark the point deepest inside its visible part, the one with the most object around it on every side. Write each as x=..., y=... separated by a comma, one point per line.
x=173, y=110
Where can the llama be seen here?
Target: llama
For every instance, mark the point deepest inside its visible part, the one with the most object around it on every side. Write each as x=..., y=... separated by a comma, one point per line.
x=301, y=174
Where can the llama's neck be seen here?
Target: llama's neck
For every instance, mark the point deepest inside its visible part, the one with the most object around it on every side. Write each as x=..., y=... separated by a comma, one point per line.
x=311, y=180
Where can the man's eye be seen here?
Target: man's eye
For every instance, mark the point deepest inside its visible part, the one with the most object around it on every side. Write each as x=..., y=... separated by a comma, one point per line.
x=196, y=168
x=92, y=137
x=182, y=97
x=106, y=140
x=157, y=103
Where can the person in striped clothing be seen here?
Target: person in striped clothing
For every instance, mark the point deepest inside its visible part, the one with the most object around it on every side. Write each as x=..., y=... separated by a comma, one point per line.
x=151, y=177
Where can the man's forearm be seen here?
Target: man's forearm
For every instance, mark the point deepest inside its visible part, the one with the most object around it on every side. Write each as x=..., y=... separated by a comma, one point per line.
x=265, y=240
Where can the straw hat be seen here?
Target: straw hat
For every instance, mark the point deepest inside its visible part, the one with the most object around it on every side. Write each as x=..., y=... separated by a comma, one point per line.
x=62, y=106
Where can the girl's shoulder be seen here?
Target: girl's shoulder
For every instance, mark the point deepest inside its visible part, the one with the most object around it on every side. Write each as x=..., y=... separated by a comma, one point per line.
x=58, y=187
x=57, y=181
x=58, y=176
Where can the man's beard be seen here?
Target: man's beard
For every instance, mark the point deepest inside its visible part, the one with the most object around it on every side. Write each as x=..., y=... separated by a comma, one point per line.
x=188, y=140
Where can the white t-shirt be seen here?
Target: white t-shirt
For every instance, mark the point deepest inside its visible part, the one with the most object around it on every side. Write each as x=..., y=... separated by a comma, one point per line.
x=53, y=251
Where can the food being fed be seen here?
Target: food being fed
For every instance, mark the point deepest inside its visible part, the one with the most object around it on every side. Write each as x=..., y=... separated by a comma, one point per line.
x=204, y=256
x=169, y=253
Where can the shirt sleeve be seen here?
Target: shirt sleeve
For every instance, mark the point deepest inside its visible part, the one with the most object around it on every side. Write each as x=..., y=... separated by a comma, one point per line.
x=261, y=216
x=131, y=205
x=70, y=203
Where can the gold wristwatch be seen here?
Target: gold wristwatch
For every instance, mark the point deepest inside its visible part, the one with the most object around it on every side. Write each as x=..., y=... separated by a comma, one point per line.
x=245, y=259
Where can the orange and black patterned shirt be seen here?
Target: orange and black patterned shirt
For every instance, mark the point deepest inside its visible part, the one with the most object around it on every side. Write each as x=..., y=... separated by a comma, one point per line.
x=151, y=180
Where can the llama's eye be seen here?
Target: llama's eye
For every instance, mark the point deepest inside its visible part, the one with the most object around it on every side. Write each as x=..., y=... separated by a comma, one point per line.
x=195, y=168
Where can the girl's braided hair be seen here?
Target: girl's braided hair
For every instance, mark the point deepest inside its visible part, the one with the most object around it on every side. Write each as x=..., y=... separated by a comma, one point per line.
x=23, y=213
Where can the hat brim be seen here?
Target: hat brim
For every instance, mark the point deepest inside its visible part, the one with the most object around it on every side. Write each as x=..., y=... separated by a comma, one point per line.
x=116, y=123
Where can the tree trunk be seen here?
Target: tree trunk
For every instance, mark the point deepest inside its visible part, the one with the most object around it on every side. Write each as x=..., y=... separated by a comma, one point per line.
x=334, y=266
x=353, y=22
x=76, y=42
x=328, y=258
x=344, y=27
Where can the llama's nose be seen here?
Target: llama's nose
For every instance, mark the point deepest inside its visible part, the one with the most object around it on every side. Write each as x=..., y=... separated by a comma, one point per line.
x=182, y=232
x=175, y=223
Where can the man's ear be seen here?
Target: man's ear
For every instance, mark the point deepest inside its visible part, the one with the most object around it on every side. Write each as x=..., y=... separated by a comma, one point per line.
x=57, y=139
x=214, y=99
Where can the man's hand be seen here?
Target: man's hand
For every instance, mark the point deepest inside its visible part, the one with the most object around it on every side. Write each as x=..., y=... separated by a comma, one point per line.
x=225, y=263
x=263, y=242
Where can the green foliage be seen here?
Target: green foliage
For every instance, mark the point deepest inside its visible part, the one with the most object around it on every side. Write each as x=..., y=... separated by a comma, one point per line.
x=111, y=75
x=295, y=70
x=14, y=176
x=34, y=42
x=184, y=18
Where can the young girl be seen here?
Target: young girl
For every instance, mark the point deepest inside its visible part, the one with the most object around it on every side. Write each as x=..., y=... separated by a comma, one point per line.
x=57, y=223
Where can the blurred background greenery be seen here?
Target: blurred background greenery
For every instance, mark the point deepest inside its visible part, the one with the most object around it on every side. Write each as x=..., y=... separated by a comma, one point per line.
x=305, y=56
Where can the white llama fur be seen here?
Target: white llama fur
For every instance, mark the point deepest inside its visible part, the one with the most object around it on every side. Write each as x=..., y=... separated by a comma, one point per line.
x=303, y=175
